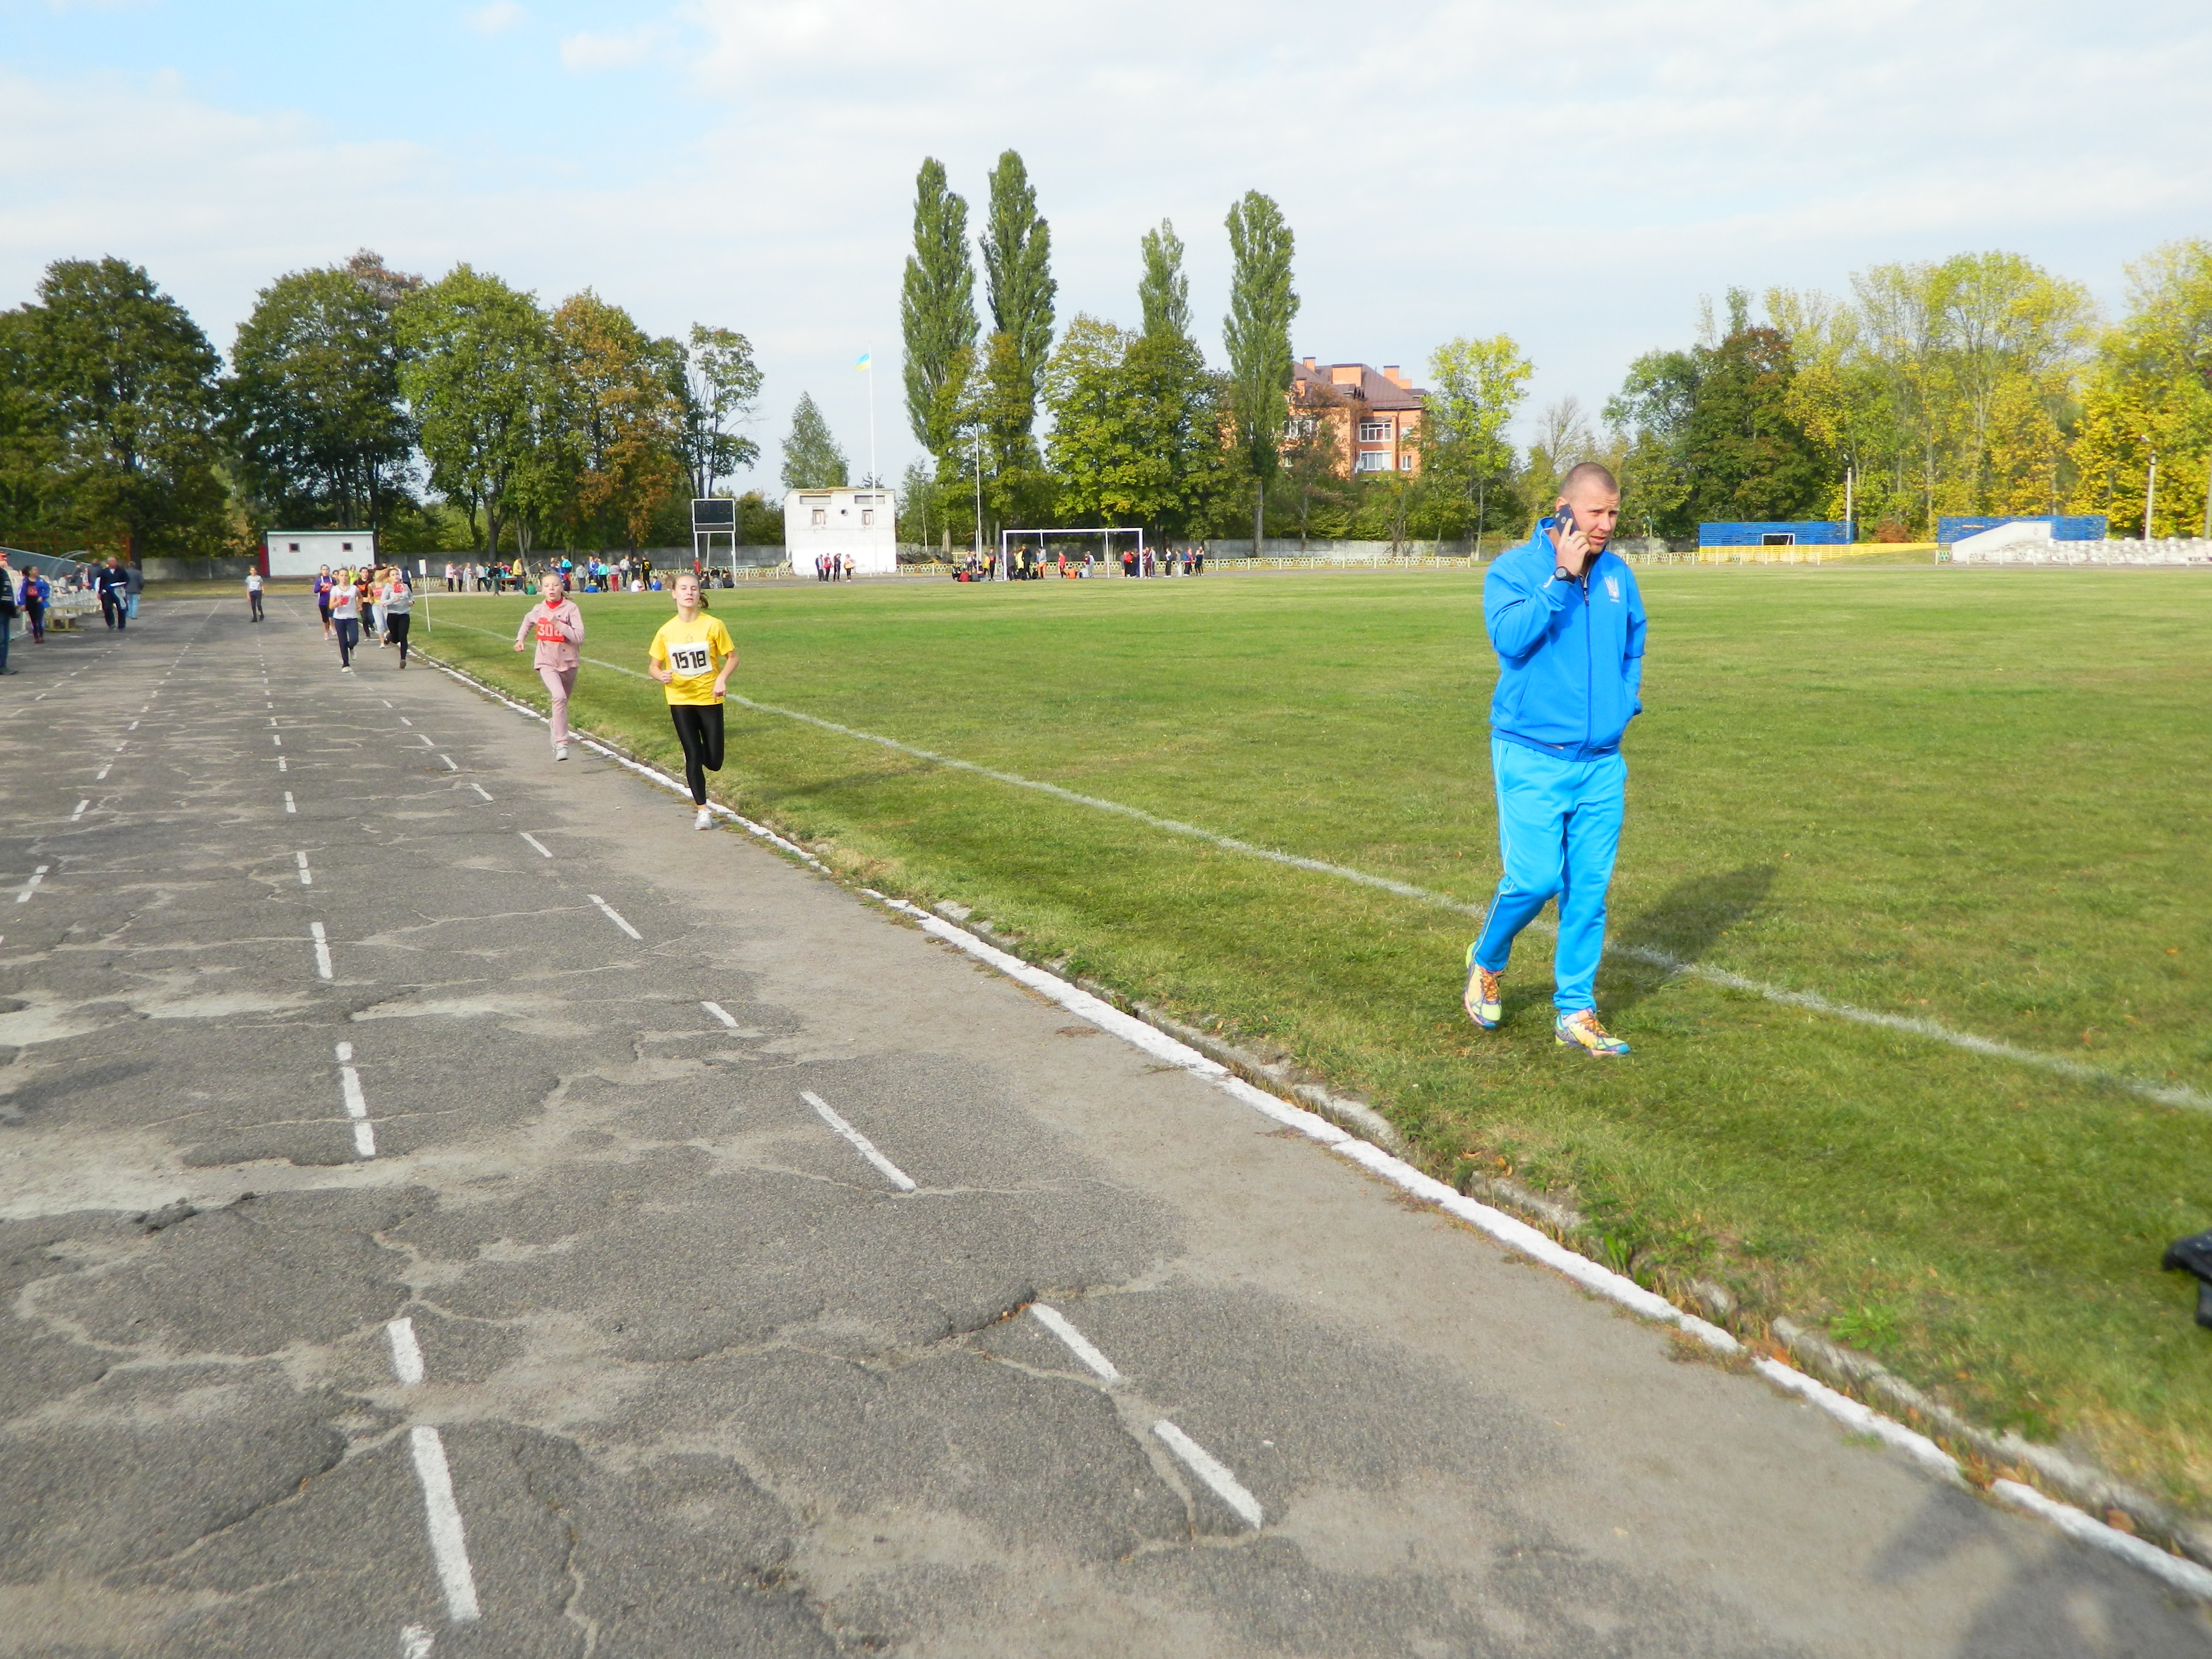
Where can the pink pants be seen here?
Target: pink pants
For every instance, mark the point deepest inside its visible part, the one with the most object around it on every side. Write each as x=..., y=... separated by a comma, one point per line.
x=559, y=682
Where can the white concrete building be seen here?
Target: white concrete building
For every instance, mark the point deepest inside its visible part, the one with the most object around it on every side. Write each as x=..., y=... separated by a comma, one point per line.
x=863, y=522
x=304, y=552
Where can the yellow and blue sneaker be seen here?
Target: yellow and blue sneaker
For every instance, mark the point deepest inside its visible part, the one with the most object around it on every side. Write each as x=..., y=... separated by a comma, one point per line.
x=1480, y=998
x=1580, y=1030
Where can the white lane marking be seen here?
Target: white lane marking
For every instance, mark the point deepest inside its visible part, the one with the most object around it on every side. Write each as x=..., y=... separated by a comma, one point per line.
x=1078, y=1343
x=406, y=1352
x=415, y=1643
x=448, y=1546
x=306, y=876
x=32, y=885
x=448, y=759
x=272, y=719
x=481, y=790
x=274, y=738
x=322, y=949
x=288, y=807
x=614, y=916
x=867, y=1148
x=719, y=1012
x=1203, y=1464
x=356, y=1104
x=387, y=701
x=2166, y=1095
x=100, y=777
x=133, y=727
x=2184, y=1575
x=541, y=847
x=424, y=741
x=404, y=721
x=79, y=813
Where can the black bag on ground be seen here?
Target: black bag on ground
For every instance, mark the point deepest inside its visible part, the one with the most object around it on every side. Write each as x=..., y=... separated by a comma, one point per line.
x=2193, y=1255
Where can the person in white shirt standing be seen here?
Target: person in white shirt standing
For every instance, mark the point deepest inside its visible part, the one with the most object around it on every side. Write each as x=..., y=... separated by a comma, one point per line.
x=253, y=594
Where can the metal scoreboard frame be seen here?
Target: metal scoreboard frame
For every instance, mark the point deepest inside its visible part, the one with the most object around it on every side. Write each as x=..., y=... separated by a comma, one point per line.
x=712, y=516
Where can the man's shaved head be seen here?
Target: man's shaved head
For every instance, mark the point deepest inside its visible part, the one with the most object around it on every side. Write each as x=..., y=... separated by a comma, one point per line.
x=1591, y=474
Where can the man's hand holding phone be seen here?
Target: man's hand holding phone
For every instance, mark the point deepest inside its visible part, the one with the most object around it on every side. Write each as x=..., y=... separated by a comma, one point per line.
x=1573, y=548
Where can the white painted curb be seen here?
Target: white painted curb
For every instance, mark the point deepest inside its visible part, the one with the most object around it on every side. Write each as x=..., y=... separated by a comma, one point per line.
x=1515, y=1234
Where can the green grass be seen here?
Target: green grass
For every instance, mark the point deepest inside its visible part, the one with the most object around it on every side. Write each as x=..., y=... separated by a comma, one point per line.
x=1974, y=797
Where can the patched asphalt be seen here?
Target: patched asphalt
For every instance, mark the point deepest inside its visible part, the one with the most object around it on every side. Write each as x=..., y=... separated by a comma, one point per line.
x=707, y=1382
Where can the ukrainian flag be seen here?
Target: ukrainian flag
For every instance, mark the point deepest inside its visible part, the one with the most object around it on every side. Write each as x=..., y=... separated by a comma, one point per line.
x=866, y=357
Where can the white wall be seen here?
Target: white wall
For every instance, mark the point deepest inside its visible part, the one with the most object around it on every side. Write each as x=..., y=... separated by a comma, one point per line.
x=304, y=552
x=861, y=522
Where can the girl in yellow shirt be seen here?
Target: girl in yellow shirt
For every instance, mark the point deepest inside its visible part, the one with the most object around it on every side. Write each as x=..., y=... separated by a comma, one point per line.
x=691, y=656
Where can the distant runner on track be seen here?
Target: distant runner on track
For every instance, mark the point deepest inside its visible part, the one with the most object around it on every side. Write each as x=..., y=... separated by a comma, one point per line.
x=1567, y=623
x=324, y=583
x=345, y=618
x=691, y=656
x=398, y=612
x=559, y=627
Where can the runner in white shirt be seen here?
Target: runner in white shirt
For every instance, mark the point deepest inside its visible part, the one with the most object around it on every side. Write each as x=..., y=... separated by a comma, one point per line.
x=253, y=593
x=345, y=618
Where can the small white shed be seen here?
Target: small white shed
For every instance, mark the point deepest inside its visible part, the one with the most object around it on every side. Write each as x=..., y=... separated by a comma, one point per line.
x=863, y=522
x=304, y=552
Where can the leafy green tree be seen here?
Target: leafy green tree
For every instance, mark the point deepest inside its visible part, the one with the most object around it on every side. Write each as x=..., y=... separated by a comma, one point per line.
x=1257, y=333
x=1164, y=291
x=812, y=458
x=937, y=312
x=120, y=383
x=2150, y=390
x=477, y=371
x=1017, y=275
x=717, y=386
x=1136, y=433
x=1018, y=488
x=1314, y=455
x=622, y=424
x=313, y=419
x=1747, y=455
x=32, y=497
x=1476, y=387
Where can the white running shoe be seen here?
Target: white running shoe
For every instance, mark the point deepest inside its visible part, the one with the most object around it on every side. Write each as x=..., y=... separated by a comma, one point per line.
x=704, y=820
x=560, y=751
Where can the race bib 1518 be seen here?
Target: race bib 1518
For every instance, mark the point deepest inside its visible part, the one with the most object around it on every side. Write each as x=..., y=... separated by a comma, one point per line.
x=689, y=659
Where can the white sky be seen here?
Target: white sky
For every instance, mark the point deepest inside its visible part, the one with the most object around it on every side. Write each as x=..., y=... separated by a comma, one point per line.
x=1575, y=174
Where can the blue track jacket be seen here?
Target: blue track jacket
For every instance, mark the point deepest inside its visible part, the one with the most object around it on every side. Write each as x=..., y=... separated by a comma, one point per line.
x=1570, y=654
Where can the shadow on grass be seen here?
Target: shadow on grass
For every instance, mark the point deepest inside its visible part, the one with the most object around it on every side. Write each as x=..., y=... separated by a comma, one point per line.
x=1689, y=920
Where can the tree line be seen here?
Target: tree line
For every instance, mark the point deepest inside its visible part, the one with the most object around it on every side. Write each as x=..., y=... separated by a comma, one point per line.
x=441, y=414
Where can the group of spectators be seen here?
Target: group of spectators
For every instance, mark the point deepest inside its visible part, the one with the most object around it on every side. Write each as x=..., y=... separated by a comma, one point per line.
x=480, y=577
x=27, y=597
x=833, y=566
x=631, y=574
x=1026, y=564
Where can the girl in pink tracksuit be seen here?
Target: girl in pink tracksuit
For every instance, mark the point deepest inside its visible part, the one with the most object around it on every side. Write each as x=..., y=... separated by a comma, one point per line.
x=558, y=628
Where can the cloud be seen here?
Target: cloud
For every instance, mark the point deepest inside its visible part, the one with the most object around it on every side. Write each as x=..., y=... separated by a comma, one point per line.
x=498, y=17
x=586, y=51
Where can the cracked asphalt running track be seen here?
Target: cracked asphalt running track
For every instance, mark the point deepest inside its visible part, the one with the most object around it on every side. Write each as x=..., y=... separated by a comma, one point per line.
x=707, y=1382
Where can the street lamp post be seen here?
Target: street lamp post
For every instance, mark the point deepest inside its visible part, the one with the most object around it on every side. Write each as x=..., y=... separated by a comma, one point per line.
x=2150, y=494
x=979, y=497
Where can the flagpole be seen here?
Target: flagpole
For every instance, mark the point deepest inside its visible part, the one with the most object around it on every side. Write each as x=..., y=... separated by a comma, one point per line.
x=874, y=478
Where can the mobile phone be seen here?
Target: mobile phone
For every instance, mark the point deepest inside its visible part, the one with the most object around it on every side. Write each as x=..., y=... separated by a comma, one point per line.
x=1563, y=516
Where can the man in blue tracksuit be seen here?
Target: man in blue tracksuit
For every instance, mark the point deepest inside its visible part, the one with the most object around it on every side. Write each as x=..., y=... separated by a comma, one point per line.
x=1568, y=625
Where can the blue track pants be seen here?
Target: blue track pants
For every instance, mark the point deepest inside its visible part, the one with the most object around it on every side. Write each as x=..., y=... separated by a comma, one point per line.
x=1559, y=827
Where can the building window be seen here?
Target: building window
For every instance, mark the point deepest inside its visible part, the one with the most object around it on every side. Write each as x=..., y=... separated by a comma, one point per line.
x=1375, y=432
x=1373, y=460
x=821, y=515
x=1406, y=462
x=867, y=515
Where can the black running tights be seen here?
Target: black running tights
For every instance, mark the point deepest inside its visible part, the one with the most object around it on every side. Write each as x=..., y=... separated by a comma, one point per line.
x=699, y=729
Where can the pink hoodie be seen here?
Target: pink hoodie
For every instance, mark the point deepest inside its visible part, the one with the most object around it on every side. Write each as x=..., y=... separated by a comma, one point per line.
x=565, y=623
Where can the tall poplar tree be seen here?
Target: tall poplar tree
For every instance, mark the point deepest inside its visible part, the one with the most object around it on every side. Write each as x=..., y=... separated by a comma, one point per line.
x=1164, y=291
x=937, y=311
x=1017, y=274
x=1257, y=333
x=812, y=458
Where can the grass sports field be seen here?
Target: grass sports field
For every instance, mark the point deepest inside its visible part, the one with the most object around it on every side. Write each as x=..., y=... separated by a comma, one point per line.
x=1974, y=798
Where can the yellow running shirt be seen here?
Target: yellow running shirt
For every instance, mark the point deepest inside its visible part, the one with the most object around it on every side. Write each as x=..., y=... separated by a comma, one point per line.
x=693, y=651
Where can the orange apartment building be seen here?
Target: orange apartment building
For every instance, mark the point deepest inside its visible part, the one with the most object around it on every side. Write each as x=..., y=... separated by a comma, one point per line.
x=1376, y=413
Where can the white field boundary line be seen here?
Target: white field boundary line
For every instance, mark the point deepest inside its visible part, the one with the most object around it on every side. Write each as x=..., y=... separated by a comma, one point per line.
x=32, y=885
x=867, y=1148
x=1517, y=1235
x=323, y=969
x=1509, y=1230
x=449, y=1545
x=1932, y=1030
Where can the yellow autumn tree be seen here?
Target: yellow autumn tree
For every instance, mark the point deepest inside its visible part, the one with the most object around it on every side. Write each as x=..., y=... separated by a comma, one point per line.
x=622, y=416
x=2149, y=394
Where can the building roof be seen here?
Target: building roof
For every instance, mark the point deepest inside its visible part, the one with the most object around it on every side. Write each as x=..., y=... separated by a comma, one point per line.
x=1379, y=389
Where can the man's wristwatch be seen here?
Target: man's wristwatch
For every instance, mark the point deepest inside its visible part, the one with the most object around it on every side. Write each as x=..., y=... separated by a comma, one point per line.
x=1561, y=573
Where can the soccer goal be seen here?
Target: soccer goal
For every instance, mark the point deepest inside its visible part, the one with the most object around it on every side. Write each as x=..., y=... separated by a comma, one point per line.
x=1011, y=542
